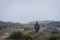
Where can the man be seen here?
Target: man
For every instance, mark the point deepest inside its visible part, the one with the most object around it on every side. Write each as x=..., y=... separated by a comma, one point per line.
x=36, y=27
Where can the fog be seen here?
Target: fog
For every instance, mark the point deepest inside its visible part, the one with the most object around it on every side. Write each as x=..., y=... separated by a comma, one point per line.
x=29, y=10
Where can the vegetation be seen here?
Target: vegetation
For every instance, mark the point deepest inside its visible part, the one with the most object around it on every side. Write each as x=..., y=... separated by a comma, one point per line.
x=16, y=35
x=28, y=32
x=47, y=23
x=54, y=37
x=4, y=25
x=32, y=36
x=19, y=36
x=29, y=25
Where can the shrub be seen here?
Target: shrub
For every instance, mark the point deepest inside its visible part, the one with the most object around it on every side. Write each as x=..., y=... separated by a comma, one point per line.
x=54, y=37
x=16, y=35
x=19, y=36
x=27, y=37
x=32, y=33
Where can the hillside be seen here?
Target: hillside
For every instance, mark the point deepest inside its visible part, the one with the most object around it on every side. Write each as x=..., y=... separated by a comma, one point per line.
x=30, y=24
x=9, y=24
x=46, y=23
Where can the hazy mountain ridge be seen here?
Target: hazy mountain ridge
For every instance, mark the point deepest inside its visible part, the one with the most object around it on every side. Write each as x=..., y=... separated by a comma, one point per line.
x=41, y=23
x=9, y=24
x=46, y=23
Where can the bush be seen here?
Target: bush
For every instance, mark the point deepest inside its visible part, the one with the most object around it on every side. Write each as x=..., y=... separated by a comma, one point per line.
x=19, y=36
x=54, y=31
x=16, y=35
x=1, y=33
x=27, y=37
x=54, y=37
x=32, y=33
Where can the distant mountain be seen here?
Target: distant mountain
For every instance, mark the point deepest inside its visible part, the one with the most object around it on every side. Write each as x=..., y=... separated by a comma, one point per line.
x=46, y=23
x=30, y=24
x=54, y=24
x=40, y=22
x=9, y=24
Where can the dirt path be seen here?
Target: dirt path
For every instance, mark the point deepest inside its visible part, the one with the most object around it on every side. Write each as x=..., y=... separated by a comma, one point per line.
x=4, y=36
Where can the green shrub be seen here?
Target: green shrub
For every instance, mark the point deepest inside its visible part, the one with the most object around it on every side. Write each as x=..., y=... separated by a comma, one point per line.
x=54, y=37
x=16, y=35
x=32, y=33
x=19, y=36
x=1, y=33
x=27, y=37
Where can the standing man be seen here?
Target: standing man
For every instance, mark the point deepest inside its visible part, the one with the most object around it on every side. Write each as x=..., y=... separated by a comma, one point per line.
x=36, y=27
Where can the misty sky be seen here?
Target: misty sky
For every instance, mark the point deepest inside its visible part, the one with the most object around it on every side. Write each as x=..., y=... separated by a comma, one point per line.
x=29, y=10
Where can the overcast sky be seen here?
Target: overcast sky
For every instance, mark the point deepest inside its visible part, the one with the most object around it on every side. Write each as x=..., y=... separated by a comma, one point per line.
x=29, y=10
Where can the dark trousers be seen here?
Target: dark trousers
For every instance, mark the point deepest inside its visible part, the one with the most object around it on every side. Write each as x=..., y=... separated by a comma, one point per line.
x=37, y=30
